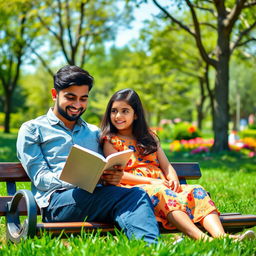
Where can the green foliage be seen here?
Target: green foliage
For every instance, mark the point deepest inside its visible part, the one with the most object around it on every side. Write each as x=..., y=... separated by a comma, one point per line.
x=37, y=90
x=159, y=90
x=8, y=147
x=242, y=87
x=165, y=133
x=16, y=119
x=252, y=126
x=184, y=131
x=248, y=133
x=104, y=68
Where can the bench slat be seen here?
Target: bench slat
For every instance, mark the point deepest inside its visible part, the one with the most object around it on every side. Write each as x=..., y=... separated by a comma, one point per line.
x=12, y=172
x=233, y=223
x=15, y=172
x=187, y=170
x=74, y=227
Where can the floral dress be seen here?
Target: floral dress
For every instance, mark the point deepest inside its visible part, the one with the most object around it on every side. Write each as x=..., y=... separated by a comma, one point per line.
x=192, y=199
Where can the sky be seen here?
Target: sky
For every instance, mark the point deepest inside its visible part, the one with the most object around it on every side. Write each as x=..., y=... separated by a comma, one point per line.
x=145, y=11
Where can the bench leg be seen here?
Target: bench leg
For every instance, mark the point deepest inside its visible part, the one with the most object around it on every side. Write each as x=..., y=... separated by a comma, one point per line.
x=16, y=231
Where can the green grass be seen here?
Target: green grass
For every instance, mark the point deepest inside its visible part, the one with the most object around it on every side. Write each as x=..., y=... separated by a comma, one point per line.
x=230, y=178
x=119, y=245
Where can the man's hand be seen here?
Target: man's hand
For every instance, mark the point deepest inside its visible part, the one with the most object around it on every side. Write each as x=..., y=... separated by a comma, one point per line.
x=112, y=177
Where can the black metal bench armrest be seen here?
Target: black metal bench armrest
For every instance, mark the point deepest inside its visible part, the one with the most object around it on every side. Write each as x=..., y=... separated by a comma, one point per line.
x=15, y=230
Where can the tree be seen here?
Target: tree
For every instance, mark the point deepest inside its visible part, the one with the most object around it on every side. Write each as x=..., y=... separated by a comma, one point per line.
x=105, y=68
x=182, y=59
x=231, y=23
x=14, y=36
x=73, y=29
x=162, y=92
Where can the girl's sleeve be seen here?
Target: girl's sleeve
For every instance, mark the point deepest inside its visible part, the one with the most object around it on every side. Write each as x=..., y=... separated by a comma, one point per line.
x=117, y=143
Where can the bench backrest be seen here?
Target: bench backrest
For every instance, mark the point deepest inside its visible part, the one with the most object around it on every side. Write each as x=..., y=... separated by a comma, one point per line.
x=14, y=172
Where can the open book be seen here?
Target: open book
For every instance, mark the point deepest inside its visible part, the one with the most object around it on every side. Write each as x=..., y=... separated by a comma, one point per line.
x=84, y=167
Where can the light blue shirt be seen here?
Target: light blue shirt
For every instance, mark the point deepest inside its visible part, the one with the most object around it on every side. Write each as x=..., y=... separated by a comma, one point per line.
x=43, y=145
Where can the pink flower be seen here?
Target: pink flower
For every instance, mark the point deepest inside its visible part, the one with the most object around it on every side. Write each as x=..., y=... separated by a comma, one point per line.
x=199, y=150
x=252, y=154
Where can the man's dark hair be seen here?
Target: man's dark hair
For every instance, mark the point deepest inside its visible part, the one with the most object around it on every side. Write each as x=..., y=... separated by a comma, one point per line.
x=72, y=75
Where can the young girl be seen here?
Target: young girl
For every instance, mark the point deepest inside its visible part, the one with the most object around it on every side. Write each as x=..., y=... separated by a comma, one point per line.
x=182, y=206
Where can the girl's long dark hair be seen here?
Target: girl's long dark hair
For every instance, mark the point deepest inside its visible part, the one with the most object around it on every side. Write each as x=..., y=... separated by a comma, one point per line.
x=146, y=141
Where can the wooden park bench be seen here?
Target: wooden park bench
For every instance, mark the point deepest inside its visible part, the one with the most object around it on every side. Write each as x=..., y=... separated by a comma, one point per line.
x=22, y=203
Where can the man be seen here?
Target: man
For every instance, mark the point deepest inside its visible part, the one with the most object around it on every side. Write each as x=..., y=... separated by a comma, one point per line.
x=43, y=145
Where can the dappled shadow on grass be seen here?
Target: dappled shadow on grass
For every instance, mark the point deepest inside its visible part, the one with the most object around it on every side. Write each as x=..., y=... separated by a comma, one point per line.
x=226, y=161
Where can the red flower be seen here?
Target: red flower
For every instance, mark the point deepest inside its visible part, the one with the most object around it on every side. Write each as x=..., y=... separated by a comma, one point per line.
x=191, y=129
x=190, y=198
x=172, y=202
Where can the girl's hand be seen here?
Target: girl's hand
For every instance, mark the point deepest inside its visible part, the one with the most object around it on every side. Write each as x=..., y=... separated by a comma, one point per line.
x=112, y=177
x=174, y=185
x=160, y=182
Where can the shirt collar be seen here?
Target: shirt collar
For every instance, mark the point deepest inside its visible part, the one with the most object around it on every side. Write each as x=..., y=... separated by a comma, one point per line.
x=53, y=119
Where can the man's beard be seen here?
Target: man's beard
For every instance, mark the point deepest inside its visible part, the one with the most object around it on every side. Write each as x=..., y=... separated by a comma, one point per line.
x=64, y=113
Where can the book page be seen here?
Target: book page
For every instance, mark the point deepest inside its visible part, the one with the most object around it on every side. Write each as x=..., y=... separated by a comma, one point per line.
x=118, y=158
x=90, y=152
x=83, y=168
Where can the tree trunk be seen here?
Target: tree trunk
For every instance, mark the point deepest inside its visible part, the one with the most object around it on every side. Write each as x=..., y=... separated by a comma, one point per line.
x=221, y=106
x=200, y=117
x=7, y=111
x=200, y=114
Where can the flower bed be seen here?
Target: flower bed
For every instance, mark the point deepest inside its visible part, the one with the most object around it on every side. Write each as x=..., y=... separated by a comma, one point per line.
x=200, y=145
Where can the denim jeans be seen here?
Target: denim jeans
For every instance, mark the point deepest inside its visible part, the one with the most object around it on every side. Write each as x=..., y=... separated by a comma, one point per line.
x=131, y=209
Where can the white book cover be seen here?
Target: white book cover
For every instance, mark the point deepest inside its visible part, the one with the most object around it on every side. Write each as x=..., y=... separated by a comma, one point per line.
x=84, y=167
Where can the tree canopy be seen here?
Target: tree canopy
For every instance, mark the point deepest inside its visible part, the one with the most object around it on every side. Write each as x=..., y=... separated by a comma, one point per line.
x=190, y=61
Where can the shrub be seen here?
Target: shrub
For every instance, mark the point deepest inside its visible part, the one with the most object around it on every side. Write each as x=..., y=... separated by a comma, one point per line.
x=185, y=131
x=252, y=126
x=248, y=133
x=164, y=133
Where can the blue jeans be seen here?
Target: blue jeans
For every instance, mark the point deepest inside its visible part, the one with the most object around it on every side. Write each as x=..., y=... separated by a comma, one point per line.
x=131, y=209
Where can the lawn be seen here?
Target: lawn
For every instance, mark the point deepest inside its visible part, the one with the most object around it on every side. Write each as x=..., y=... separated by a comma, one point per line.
x=229, y=177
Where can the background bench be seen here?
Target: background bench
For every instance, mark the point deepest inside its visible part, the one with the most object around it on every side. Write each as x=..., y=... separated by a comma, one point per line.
x=22, y=203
